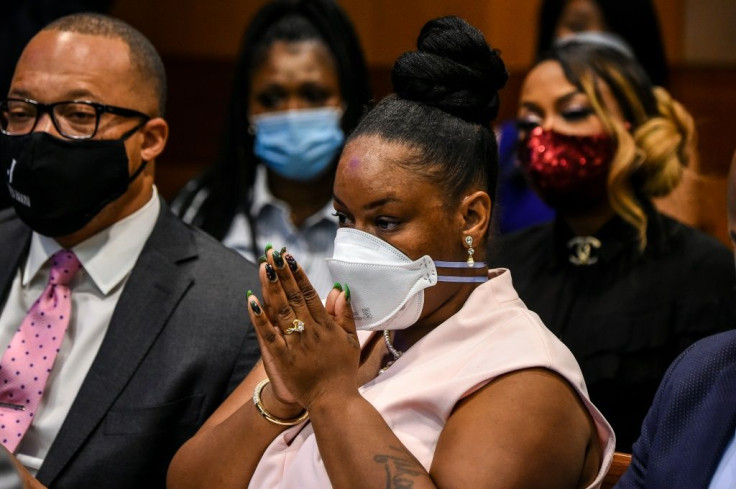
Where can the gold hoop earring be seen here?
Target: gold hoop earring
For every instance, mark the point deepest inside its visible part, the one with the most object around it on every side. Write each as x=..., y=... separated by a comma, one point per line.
x=471, y=251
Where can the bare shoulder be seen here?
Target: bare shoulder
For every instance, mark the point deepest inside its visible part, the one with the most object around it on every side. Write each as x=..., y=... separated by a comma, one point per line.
x=526, y=429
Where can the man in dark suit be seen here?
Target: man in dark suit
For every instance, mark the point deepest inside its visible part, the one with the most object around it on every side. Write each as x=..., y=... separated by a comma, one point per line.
x=688, y=438
x=157, y=335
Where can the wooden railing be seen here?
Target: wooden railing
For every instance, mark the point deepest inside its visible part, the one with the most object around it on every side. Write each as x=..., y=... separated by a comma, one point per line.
x=619, y=465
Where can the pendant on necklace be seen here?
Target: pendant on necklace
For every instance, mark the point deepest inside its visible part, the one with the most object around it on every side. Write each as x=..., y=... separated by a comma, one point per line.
x=394, y=352
x=390, y=362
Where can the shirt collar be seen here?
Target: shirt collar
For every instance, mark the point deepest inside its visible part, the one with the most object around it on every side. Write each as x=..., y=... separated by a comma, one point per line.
x=108, y=256
x=263, y=197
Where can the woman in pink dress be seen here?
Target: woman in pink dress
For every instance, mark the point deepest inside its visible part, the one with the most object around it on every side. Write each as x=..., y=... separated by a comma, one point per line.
x=423, y=369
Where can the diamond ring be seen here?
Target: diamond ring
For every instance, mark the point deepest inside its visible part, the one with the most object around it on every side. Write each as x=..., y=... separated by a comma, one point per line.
x=297, y=328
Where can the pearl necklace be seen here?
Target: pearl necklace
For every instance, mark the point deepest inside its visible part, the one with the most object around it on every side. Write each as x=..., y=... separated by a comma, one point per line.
x=396, y=353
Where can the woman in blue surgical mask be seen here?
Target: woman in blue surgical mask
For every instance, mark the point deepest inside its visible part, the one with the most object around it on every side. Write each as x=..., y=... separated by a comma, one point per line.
x=423, y=369
x=300, y=86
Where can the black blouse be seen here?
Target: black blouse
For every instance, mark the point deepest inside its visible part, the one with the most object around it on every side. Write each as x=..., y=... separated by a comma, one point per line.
x=624, y=314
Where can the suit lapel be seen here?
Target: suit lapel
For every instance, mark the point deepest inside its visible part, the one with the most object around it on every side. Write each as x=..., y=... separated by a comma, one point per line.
x=155, y=286
x=16, y=237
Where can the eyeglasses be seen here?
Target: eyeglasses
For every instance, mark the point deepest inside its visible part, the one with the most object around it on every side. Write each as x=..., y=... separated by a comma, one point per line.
x=77, y=119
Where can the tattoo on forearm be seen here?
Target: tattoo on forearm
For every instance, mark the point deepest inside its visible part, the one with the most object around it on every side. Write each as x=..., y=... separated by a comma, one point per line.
x=401, y=468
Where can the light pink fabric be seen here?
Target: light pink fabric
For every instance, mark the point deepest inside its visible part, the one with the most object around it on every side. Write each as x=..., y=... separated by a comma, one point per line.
x=493, y=334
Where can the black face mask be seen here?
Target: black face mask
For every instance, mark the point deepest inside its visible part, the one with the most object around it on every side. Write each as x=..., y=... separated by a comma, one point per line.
x=57, y=186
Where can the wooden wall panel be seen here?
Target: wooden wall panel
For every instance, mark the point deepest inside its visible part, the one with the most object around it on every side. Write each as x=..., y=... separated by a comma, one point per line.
x=210, y=29
x=386, y=27
x=389, y=27
x=672, y=22
x=715, y=44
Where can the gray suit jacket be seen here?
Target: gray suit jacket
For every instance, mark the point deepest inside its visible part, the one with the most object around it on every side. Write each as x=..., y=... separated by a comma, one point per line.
x=178, y=343
x=9, y=476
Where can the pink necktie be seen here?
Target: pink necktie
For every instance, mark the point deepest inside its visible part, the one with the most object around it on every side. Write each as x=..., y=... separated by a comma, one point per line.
x=27, y=362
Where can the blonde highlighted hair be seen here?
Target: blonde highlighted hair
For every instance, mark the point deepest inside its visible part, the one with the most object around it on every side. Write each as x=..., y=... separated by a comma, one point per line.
x=656, y=139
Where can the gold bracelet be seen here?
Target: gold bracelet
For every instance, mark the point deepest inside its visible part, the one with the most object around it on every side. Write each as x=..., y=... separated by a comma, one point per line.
x=270, y=417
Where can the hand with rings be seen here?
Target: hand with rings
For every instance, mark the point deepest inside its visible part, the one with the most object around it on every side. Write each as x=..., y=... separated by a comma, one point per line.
x=308, y=349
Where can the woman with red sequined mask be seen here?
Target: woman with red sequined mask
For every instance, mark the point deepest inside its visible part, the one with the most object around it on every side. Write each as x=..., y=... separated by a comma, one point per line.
x=595, y=134
x=623, y=286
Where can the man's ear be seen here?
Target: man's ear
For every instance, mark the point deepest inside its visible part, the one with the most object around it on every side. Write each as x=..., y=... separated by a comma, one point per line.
x=476, y=213
x=155, y=135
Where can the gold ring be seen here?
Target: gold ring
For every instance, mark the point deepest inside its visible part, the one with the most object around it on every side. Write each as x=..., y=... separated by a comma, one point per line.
x=297, y=328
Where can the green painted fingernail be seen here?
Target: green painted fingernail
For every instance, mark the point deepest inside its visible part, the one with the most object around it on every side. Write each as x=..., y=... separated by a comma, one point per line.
x=269, y=246
x=347, y=294
x=262, y=259
x=256, y=309
x=337, y=286
x=248, y=294
x=283, y=250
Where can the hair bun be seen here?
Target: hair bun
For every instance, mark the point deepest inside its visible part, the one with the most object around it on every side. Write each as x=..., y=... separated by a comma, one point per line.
x=454, y=70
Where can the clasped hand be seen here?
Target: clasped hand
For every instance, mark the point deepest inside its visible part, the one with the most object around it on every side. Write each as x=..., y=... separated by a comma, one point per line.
x=310, y=351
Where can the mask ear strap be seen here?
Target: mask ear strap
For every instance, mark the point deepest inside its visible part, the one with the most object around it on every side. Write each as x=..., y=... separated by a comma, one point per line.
x=145, y=162
x=453, y=278
x=138, y=171
x=459, y=264
x=134, y=129
x=463, y=265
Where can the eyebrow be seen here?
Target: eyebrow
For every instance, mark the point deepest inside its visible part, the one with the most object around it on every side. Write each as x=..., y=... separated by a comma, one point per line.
x=19, y=93
x=560, y=101
x=80, y=93
x=77, y=94
x=565, y=98
x=269, y=87
x=370, y=205
x=531, y=106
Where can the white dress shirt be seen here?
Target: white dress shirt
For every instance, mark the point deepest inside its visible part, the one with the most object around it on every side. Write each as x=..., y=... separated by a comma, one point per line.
x=725, y=475
x=310, y=244
x=107, y=259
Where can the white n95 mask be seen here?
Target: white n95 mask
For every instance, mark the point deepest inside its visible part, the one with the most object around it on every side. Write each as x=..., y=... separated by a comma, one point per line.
x=386, y=286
